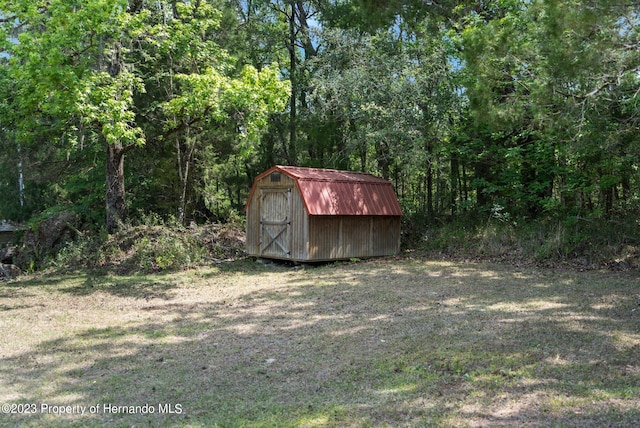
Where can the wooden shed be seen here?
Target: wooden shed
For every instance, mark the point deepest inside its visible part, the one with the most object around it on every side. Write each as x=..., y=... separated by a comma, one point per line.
x=311, y=214
x=7, y=232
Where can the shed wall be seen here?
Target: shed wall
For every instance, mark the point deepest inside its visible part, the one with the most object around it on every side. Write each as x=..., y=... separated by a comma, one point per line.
x=344, y=237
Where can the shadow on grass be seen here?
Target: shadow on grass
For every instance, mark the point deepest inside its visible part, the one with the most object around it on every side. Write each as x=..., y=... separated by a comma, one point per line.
x=137, y=285
x=397, y=343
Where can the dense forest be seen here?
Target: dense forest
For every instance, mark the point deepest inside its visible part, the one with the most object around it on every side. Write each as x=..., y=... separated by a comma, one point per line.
x=519, y=111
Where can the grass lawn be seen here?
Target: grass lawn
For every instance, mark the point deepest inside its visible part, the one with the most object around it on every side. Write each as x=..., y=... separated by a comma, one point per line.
x=389, y=342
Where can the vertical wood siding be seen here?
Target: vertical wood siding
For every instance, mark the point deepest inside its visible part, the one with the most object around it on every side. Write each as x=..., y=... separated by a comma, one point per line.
x=299, y=227
x=344, y=237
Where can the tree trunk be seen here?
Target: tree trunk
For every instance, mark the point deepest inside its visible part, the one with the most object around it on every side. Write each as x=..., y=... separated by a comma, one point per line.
x=483, y=176
x=115, y=197
x=429, y=186
x=455, y=179
x=293, y=115
x=184, y=168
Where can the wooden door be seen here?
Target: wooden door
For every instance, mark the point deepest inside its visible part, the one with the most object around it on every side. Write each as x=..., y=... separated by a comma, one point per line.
x=275, y=223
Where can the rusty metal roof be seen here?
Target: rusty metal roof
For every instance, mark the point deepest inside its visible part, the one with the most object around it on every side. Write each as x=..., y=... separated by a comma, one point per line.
x=333, y=192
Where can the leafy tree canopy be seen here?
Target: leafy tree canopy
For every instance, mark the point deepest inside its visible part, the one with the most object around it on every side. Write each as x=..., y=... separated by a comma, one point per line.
x=81, y=70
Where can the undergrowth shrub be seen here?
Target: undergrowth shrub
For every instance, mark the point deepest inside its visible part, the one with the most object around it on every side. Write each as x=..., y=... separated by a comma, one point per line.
x=157, y=246
x=76, y=254
x=164, y=250
x=587, y=241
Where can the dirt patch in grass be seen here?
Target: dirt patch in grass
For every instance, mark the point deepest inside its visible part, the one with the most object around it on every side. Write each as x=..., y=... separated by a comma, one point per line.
x=390, y=342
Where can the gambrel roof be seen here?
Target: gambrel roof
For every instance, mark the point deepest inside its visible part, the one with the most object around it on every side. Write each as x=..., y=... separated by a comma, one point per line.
x=333, y=192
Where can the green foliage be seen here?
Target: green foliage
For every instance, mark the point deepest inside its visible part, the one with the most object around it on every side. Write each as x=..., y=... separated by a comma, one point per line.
x=84, y=74
x=158, y=244
x=211, y=96
x=392, y=102
x=509, y=111
x=587, y=242
x=75, y=254
x=148, y=248
x=165, y=252
x=544, y=82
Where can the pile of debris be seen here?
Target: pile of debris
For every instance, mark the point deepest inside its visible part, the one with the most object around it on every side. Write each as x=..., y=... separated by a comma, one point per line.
x=142, y=248
x=8, y=250
x=38, y=242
